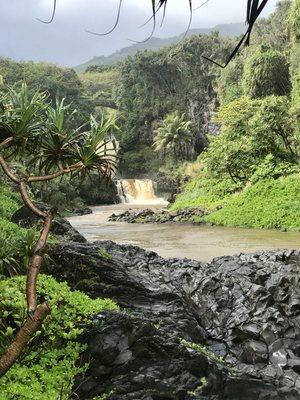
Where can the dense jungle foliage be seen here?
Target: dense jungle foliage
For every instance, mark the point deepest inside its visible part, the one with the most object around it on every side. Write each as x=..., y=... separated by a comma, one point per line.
x=50, y=361
x=249, y=174
x=234, y=132
x=145, y=90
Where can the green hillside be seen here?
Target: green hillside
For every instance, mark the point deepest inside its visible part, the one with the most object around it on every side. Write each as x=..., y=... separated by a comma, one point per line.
x=229, y=30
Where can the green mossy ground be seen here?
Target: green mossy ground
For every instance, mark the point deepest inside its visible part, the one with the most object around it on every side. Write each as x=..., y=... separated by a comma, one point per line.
x=270, y=203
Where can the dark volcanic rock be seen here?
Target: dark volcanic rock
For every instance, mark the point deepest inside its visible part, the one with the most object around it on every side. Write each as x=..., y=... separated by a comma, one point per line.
x=149, y=216
x=243, y=308
x=61, y=227
x=83, y=211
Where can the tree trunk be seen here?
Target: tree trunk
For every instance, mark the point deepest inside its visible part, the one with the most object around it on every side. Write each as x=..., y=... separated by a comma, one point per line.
x=36, y=314
x=32, y=325
x=35, y=263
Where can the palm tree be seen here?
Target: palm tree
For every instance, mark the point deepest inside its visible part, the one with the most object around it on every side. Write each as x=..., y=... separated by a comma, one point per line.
x=174, y=136
x=36, y=133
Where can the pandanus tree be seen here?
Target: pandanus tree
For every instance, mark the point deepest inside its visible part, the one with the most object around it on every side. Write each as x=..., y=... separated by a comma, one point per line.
x=36, y=135
x=174, y=136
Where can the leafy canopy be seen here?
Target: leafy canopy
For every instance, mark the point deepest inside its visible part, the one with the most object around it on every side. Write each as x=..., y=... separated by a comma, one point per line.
x=43, y=134
x=174, y=135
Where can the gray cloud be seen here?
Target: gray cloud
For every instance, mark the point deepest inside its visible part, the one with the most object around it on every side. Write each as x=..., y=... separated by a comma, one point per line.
x=65, y=42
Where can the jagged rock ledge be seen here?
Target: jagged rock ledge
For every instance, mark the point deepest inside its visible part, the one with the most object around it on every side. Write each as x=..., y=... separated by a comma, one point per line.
x=188, y=330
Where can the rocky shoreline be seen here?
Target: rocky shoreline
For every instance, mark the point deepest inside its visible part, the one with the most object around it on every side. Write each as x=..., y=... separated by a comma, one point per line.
x=229, y=329
x=225, y=330
x=147, y=216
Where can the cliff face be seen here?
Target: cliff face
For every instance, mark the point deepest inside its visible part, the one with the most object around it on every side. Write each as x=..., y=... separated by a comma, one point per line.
x=188, y=330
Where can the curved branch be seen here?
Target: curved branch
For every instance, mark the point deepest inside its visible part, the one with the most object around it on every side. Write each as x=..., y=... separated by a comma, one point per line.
x=6, y=142
x=7, y=170
x=28, y=202
x=57, y=174
x=113, y=28
x=52, y=16
x=44, y=178
x=35, y=265
x=32, y=325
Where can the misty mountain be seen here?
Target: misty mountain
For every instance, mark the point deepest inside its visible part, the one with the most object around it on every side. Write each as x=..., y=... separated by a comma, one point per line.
x=230, y=30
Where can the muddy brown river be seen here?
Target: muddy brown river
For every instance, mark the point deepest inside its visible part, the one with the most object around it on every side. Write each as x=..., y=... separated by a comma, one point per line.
x=201, y=243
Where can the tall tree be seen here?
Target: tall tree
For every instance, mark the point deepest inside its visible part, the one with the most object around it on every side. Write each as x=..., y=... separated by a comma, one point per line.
x=36, y=133
x=266, y=72
x=174, y=136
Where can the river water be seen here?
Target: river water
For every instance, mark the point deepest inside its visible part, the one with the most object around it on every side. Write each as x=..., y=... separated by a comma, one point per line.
x=198, y=242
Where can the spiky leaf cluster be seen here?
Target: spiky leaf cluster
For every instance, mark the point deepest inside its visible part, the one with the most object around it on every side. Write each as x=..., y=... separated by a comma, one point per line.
x=35, y=130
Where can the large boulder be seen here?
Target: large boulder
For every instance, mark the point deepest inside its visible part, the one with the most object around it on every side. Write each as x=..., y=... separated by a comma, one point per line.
x=60, y=227
x=225, y=330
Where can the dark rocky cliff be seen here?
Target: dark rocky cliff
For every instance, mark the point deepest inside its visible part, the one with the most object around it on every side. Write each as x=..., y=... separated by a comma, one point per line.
x=225, y=330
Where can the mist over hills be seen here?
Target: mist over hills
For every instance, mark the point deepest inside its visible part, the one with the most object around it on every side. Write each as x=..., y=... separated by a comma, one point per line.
x=230, y=30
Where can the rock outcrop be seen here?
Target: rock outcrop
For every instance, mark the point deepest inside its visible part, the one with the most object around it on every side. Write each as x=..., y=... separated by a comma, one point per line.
x=188, y=330
x=147, y=216
x=60, y=227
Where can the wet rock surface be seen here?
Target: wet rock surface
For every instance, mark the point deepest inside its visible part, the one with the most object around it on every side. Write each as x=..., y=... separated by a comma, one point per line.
x=188, y=330
x=83, y=211
x=60, y=227
x=149, y=216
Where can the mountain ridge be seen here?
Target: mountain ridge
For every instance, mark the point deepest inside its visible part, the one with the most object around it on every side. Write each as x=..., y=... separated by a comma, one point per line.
x=230, y=30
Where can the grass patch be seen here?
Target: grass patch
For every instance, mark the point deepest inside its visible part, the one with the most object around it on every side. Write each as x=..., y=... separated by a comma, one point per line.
x=271, y=204
x=205, y=193
x=104, y=254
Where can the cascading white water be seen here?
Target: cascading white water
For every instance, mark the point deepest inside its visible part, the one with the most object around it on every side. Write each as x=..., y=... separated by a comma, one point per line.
x=120, y=192
x=138, y=191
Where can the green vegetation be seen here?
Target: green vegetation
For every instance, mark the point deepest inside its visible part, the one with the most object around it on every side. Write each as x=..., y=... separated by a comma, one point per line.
x=249, y=174
x=206, y=193
x=155, y=84
x=269, y=203
x=266, y=72
x=38, y=145
x=15, y=242
x=203, y=350
x=50, y=363
x=174, y=136
x=203, y=383
x=104, y=254
x=16, y=245
x=9, y=201
x=56, y=81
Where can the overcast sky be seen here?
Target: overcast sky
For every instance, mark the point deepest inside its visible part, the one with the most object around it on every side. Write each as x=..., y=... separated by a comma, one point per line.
x=65, y=41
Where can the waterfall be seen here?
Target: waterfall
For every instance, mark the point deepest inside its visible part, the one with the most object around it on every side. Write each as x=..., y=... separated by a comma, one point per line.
x=138, y=191
x=120, y=192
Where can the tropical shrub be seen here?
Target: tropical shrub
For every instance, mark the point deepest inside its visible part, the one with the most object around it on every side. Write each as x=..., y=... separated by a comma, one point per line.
x=251, y=130
x=41, y=139
x=266, y=73
x=51, y=361
x=206, y=193
x=269, y=203
x=16, y=245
